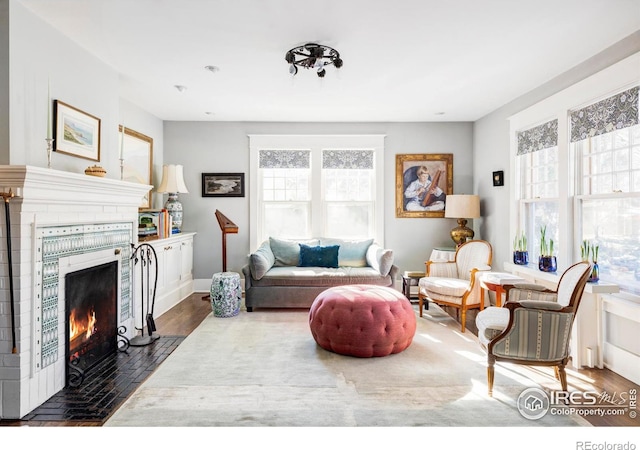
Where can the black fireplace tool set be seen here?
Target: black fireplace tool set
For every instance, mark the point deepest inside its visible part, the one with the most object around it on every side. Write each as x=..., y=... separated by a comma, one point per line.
x=145, y=254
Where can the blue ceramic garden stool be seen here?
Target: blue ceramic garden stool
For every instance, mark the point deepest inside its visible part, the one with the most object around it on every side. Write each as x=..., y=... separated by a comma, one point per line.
x=226, y=294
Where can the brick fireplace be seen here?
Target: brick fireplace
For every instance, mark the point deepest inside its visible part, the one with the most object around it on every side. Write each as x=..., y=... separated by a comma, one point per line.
x=61, y=222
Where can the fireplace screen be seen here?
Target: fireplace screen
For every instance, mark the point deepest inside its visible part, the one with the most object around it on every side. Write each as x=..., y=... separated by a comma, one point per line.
x=91, y=302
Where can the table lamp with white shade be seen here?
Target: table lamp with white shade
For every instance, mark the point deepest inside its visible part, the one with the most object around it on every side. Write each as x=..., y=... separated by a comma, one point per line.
x=462, y=207
x=173, y=184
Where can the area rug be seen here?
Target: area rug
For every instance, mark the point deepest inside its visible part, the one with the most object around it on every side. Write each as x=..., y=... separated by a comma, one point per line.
x=264, y=369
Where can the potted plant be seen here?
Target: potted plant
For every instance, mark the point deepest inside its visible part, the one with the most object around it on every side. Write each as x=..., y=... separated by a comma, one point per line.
x=547, y=261
x=520, y=253
x=587, y=249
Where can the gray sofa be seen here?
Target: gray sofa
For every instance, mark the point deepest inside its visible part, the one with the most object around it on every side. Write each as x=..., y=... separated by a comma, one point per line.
x=291, y=273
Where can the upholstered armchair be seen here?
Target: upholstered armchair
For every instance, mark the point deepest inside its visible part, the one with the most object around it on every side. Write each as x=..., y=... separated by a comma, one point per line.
x=534, y=325
x=455, y=283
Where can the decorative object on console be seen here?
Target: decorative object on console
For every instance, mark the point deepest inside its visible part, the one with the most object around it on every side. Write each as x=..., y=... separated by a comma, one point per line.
x=76, y=132
x=314, y=56
x=223, y=184
x=423, y=182
x=547, y=261
x=498, y=178
x=520, y=252
x=95, y=171
x=462, y=207
x=173, y=184
x=136, y=159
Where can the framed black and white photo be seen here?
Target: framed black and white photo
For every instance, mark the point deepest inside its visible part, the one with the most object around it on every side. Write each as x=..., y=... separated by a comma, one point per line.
x=223, y=184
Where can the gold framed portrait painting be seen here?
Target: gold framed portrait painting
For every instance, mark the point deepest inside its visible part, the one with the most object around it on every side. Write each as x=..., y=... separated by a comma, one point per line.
x=423, y=182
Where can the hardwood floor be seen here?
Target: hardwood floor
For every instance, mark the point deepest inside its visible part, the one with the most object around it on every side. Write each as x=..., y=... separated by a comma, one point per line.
x=182, y=319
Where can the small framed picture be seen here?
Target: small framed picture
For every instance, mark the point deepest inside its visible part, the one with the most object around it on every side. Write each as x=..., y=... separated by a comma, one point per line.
x=75, y=132
x=223, y=184
x=498, y=178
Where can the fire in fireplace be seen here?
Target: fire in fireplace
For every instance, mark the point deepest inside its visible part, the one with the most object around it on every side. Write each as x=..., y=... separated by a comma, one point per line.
x=91, y=301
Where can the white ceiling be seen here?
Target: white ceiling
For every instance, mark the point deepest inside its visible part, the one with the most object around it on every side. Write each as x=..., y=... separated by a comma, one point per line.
x=404, y=60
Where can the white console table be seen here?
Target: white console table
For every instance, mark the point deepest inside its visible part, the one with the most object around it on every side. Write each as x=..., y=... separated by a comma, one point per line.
x=175, y=270
x=587, y=335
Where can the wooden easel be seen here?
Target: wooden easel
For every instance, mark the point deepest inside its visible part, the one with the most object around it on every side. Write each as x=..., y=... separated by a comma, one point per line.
x=227, y=227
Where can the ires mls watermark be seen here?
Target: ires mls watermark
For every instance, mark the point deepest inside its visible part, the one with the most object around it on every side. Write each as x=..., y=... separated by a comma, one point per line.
x=534, y=403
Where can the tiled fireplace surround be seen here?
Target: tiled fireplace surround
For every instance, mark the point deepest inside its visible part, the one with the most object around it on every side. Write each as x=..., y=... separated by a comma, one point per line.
x=57, y=218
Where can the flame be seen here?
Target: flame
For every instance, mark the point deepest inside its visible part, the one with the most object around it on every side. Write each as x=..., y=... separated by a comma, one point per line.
x=82, y=325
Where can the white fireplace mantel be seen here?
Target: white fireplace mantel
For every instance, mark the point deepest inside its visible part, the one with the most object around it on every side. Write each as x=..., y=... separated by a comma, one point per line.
x=58, y=201
x=38, y=184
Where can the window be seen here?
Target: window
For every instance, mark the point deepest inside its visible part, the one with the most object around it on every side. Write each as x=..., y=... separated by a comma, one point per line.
x=606, y=153
x=537, y=166
x=348, y=193
x=314, y=186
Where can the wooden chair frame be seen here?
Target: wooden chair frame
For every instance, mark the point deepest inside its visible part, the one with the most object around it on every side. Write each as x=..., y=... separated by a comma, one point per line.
x=558, y=364
x=462, y=308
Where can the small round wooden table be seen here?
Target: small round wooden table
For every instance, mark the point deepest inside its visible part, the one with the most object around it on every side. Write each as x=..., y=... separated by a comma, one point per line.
x=498, y=282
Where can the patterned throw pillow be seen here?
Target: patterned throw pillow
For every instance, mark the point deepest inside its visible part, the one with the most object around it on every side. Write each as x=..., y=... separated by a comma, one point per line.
x=319, y=256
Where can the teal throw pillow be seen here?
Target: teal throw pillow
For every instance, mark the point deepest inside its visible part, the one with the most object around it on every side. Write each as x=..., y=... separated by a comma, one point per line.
x=319, y=256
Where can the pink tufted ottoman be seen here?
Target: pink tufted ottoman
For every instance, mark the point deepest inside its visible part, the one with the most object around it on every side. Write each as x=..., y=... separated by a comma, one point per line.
x=362, y=320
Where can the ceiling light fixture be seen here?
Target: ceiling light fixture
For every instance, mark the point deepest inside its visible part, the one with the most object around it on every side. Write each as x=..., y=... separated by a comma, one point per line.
x=314, y=56
x=212, y=69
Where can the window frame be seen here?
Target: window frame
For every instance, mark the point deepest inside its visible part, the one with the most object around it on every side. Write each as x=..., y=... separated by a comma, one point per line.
x=608, y=82
x=315, y=143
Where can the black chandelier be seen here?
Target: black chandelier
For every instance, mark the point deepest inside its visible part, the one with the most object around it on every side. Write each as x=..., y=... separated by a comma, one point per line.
x=314, y=56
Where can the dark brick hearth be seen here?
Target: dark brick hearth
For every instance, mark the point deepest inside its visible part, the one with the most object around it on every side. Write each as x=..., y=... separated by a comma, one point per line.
x=105, y=387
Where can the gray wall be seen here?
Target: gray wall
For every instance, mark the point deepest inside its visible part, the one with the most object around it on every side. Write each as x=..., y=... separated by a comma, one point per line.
x=224, y=147
x=491, y=146
x=34, y=61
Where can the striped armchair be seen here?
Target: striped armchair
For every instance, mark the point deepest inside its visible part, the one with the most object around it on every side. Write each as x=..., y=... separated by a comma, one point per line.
x=534, y=325
x=456, y=283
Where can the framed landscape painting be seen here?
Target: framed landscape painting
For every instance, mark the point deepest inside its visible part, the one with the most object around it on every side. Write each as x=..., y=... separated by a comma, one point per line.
x=223, y=184
x=136, y=150
x=76, y=132
x=423, y=182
